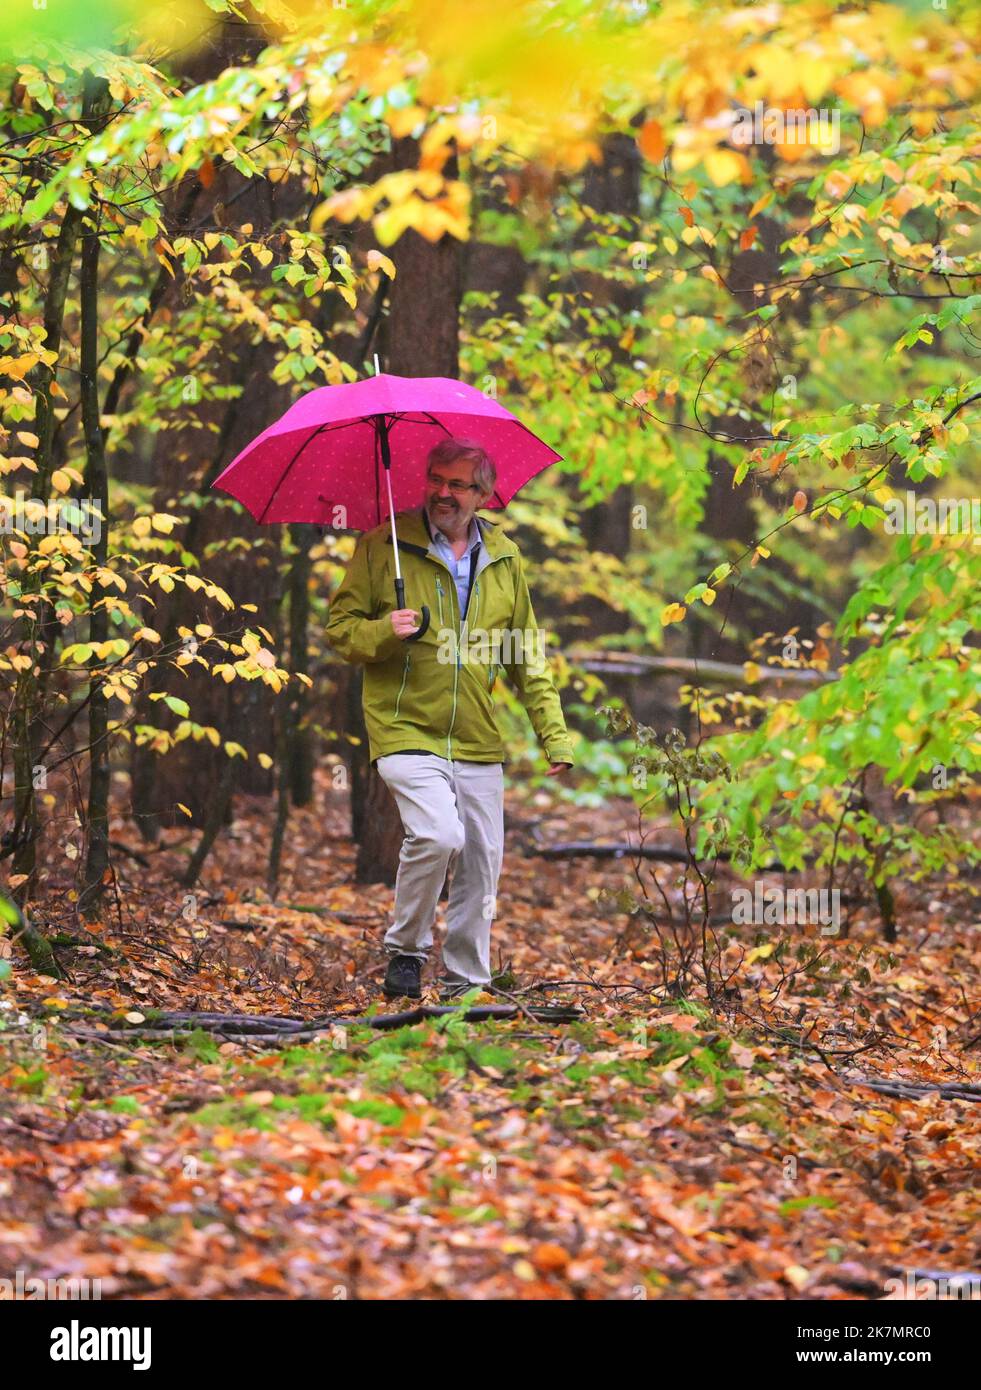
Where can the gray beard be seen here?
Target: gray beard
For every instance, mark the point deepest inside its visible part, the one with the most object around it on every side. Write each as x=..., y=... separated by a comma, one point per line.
x=450, y=517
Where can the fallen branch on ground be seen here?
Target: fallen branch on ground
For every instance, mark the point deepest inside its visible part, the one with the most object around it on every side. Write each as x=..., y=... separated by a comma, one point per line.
x=637, y=664
x=914, y=1090
x=172, y=1027
x=586, y=849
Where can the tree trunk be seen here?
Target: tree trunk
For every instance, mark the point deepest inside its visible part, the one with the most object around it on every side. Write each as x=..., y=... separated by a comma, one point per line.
x=612, y=186
x=183, y=462
x=729, y=515
x=299, y=753
x=28, y=717
x=420, y=337
x=97, y=484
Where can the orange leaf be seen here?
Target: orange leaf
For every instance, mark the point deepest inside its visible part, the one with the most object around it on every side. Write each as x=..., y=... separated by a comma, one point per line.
x=548, y=1257
x=651, y=141
x=747, y=237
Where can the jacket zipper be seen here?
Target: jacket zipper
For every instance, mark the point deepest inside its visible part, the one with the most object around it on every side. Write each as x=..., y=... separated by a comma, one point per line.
x=456, y=669
x=405, y=675
x=473, y=596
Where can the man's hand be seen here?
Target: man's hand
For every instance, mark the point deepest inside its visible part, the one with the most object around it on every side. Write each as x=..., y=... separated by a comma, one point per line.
x=404, y=622
x=557, y=769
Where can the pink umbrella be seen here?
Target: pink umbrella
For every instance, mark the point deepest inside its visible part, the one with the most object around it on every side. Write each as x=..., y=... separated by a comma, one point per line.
x=332, y=447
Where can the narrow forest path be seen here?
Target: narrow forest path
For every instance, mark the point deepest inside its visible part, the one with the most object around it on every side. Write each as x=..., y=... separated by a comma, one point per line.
x=648, y=1148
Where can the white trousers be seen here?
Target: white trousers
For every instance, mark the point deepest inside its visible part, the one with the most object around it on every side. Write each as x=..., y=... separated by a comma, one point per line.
x=453, y=817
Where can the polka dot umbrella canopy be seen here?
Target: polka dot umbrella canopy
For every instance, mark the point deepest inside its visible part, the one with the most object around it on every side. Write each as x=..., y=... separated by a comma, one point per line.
x=348, y=456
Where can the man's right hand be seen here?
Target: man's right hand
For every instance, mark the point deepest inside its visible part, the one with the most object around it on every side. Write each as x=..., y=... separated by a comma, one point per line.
x=405, y=621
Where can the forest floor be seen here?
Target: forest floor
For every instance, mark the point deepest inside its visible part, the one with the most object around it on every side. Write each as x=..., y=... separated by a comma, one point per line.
x=647, y=1149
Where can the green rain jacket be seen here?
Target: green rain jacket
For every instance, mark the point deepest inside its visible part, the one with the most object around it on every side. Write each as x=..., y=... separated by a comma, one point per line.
x=437, y=693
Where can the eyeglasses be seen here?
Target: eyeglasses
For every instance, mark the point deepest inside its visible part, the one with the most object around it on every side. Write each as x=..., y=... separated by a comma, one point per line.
x=455, y=485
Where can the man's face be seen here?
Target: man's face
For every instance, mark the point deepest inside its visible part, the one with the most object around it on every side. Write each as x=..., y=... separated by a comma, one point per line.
x=452, y=496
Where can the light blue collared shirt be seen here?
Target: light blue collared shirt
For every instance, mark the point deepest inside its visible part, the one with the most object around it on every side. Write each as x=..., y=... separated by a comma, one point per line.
x=460, y=569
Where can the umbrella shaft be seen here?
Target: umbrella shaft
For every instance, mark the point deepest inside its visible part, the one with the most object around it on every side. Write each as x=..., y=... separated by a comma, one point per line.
x=391, y=513
x=382, y=428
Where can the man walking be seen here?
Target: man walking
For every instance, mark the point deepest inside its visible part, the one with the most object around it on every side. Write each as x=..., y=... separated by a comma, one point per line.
x=429, y=708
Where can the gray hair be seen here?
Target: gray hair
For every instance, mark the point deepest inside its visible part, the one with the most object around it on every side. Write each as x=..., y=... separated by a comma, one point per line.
x=448, y=451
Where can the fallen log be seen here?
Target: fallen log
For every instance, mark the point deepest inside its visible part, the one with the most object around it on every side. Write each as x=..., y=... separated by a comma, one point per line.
x=586, y=849
x=666, y=854
x=638, y=664
x=257, y=1028
x=915, y=1090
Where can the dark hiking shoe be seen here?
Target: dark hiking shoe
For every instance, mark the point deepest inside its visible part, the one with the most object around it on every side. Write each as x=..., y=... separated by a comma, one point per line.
x=403, y=977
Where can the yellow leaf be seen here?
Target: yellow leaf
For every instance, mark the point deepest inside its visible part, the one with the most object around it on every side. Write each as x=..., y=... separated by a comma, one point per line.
x=18, y=367
x=725, y=166
x=673, y=613
x=709, y=597
x=760, y=952
x=60, y=480
x=26, y=437
x=403, y=120
x=182, y=807
x=377, y=260
x=265, y=760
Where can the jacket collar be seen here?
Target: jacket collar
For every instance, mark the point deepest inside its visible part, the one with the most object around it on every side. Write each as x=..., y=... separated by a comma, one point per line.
x=412, y=529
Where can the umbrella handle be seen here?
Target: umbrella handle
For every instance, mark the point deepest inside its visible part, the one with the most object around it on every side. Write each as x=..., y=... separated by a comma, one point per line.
x=400, y=603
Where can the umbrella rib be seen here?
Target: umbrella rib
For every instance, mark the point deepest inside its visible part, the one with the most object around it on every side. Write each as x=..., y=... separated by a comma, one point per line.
x=432, y=419
x=319, y=430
